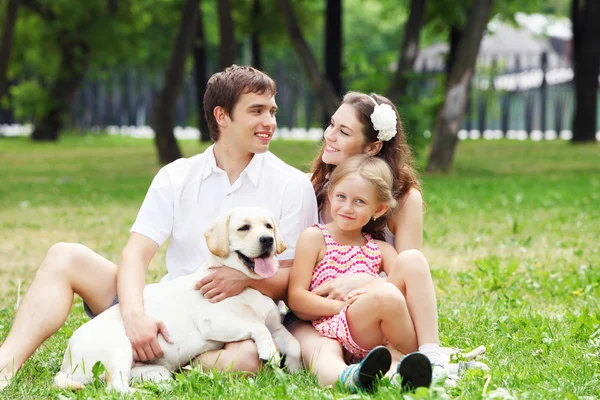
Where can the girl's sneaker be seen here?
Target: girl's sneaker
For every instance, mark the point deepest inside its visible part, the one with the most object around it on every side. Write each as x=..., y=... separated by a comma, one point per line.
x=414, y=370
x=362, y=376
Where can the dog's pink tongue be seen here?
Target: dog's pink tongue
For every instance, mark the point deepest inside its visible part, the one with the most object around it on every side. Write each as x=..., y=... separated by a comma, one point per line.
x=264, y=267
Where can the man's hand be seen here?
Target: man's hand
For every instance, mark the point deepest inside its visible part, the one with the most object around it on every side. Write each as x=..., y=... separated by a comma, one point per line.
x=224, y=282
x=339, y=288
x=143, y=334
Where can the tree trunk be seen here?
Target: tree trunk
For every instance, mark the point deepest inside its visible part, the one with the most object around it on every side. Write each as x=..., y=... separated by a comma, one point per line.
x=409, y=50
x=255, y=47
x=322, y=87
x=73, y=64
x=451, y=115
x=456, y=33
x=585, y=15
x=201, y=76
x=227, y=34
x=333, y=45
x=163, y=115
x=333, y=50
x=6, y=44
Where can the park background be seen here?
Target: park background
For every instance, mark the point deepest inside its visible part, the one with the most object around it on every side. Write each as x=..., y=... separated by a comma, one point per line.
x=95, y=96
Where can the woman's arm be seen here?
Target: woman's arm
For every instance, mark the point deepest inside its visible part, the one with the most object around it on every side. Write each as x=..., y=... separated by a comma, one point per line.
x=388, y=256
x=407, y=222
x=306, y=305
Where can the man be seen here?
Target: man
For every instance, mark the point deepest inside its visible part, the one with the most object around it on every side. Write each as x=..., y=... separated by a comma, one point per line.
x=184, y=197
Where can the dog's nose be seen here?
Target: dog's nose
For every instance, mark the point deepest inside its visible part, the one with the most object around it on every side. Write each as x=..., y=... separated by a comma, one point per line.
x=266, y=240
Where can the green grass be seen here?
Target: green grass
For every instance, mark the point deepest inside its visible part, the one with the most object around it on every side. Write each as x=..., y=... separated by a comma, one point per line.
x=511, y=234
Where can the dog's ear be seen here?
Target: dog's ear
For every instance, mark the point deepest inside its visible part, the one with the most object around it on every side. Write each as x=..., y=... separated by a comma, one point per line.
x=217, y=236
x=280, y=244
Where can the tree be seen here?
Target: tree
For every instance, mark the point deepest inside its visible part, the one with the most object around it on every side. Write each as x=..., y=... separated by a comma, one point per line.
x=333, y=45
x=201, y=75
x=74, y=56
x=227, y=34
x=321, y=86
x=585, y=15
x=333, y=50
x=452, y=112
x=6, y=43
x=409, y=50
x=163, y=115
x=255, y=46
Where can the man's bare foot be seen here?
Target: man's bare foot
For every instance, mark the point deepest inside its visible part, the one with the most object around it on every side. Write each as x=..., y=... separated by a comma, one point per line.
x=5, y=380
x=6, y=376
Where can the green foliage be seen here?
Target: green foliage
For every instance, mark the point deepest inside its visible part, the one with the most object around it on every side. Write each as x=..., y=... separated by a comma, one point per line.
x=30, y=100
x=372, y=37
x=139, y=33
x=419, y=106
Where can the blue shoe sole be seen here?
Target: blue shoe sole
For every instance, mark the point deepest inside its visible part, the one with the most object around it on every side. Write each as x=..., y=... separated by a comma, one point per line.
x=374, y=366
x=416, y=371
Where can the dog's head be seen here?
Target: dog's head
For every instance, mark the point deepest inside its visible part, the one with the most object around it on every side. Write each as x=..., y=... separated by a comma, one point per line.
x=248, y=240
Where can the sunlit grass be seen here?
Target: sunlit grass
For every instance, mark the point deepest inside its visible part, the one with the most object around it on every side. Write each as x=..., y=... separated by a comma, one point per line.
x=511, y=234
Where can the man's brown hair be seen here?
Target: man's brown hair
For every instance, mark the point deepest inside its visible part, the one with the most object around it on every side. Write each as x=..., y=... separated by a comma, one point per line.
x=225, y=88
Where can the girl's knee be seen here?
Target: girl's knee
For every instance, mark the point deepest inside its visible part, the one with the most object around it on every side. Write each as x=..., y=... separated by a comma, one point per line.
x=412, y=261
x=388, y=296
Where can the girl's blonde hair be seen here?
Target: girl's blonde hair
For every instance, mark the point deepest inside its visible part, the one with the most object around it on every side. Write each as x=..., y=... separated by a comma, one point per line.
x=379, y=174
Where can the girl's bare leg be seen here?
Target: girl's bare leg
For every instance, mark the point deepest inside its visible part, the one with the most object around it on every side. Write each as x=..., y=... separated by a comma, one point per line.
x=380, y=314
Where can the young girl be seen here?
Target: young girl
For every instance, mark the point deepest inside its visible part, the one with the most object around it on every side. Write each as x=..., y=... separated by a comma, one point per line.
x=360, y=202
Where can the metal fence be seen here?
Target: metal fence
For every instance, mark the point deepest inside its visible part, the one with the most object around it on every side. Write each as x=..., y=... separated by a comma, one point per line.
x=512, y=92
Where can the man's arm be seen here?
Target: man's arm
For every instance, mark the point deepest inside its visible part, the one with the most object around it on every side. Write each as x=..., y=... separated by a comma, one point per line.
x=131, y=274
x=225, y=282
x=141, y=329
x=276, y=286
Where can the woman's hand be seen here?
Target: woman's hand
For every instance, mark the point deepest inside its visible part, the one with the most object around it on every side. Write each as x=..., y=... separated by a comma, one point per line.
x=340, y=288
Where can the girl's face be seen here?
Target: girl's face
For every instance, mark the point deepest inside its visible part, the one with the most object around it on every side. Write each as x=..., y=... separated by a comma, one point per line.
x=343, y=137
x=353, y=202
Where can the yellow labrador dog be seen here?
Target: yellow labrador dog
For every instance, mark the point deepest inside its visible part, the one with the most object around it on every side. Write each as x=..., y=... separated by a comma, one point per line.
x=246, y=239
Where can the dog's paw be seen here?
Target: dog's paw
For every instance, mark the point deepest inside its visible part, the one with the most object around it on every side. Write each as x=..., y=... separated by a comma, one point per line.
x=123, y=389
x=273, y=361
x=293, y=364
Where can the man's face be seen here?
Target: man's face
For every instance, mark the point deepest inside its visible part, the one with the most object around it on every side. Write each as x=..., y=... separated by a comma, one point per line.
x=252, y=123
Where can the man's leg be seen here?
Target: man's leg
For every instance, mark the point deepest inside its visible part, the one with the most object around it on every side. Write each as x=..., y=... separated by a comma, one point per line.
x=234, y=357
x=66, y=269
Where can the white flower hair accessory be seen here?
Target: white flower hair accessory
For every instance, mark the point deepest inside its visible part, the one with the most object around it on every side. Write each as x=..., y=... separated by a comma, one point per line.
x=384, y=121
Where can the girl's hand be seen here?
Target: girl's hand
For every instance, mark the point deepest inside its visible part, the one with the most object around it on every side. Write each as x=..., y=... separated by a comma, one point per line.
x=354, y=295
x=340, y=288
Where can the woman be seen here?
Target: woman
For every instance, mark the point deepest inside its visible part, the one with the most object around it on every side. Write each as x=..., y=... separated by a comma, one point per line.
x=370, y=124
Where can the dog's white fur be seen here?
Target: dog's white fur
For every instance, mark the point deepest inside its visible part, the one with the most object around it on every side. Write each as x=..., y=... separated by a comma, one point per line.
x=195, y=325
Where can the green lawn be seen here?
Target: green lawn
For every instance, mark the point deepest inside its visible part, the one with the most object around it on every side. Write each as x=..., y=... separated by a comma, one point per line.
x=511, y=234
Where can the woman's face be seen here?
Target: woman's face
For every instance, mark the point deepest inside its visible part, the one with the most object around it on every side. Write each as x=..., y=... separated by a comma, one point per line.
x=343, y=137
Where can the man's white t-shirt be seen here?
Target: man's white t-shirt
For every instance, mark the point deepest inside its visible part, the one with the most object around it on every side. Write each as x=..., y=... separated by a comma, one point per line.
x=187, y=195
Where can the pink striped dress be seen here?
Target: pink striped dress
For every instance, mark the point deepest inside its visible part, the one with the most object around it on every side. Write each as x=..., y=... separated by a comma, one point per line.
x=340, y=260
